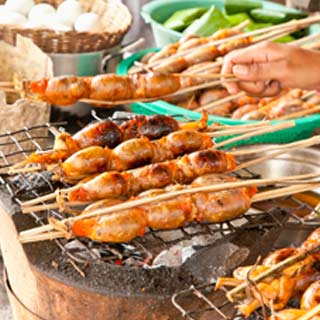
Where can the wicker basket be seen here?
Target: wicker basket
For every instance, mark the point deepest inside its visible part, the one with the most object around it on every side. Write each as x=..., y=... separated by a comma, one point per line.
x=116, y=20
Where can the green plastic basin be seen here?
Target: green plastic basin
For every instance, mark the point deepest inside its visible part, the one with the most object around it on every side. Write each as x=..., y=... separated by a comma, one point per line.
x=158, y=11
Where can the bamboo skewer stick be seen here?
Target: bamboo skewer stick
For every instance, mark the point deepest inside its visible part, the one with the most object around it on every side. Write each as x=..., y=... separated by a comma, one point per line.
x=42, y=207
x=220, y=101
x=276, y=127
x=297, y=144
x=274, y=35
x=52, y=235
x=291, y=147
x=309, y=94
x=52, y=206
x=199, y=68
x=220, y=128
x=224, y=133
x=240, y=129
x=273, y=194
x=41, y=199
x=9, y=90
x=304, y=41
x=312, y=46
x=34, y=168
x=312, y=313
x=284, y=180
x=276, y=268
x=241, y=25
x=6, y=84
x=181, y=91
x=20, y=164
x=50, y=196
x=300, y=114
x=209, y=76
x=46, y=232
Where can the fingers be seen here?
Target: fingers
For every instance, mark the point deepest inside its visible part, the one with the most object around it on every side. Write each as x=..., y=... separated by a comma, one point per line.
x=261, y=88
x=227, y=68
x=255, y=64
x=253, y=88
x=260, y=71
x=272, y=89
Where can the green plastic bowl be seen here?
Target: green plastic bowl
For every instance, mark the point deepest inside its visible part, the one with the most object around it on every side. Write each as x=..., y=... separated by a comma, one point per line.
x=158, y=11
x=304, y=128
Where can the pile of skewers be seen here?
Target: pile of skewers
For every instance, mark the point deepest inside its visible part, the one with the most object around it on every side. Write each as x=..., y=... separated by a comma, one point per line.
x=174, y=73
x=217, y=101
x=182, y=176
x=290, y=104
x=285, y=274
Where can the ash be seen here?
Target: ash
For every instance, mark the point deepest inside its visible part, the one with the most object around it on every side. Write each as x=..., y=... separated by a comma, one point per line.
x=179, y=253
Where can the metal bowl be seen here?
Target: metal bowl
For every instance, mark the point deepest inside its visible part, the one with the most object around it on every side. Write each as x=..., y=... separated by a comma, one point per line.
x=297, y=162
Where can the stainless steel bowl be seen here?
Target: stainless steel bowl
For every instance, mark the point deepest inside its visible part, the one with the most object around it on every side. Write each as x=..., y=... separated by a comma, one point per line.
x=297, y=162
x=78, y=64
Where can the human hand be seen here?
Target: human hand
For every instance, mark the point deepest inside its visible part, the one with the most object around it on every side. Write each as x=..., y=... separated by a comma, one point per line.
x=266, y=68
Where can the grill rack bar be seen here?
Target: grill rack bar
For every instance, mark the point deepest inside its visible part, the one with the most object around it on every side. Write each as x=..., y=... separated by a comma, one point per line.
x=209, y=308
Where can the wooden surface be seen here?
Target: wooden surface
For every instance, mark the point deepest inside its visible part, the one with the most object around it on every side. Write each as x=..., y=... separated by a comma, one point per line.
x=5, y=309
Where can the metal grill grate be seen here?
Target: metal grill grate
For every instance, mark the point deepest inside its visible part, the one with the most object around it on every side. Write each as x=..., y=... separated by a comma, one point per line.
x=209, y=304
x=139, y=252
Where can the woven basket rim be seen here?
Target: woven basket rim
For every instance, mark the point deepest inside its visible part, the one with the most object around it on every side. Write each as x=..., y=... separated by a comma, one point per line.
x=124, y=8
x=115, y=26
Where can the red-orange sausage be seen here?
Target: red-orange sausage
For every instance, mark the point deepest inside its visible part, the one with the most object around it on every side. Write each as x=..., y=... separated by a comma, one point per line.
x=168, y=214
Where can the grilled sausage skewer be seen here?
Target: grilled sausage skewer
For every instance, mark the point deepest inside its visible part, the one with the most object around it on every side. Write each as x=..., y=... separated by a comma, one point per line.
x=108, y=133
x=44, y=232
x=111, y=89
x=130, y=183
x=125, y=225
x=131, y=154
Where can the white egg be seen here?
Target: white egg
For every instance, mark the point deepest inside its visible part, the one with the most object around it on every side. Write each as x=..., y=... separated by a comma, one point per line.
x=88, y=22
x=3, y=9
x=13, y=18
x=33, y=24
x=40, y=10
x=20, y=6
x=52, y=21
x=69, y=11
x=59, y=27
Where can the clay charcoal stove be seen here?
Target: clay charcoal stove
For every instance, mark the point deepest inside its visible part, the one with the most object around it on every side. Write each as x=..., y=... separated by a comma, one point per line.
x=68, y=279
